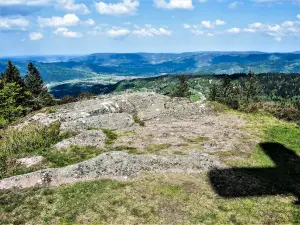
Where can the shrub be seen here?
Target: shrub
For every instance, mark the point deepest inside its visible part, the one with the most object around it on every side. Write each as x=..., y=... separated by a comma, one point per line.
x=182, y=89
x=30, y=138
x=34, y=139
x=68, y=99
x=85, y=96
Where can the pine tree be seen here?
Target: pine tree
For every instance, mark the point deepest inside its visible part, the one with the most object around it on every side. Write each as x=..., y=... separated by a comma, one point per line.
x=34, y=81
x=251, y=87
x=12, y=75
x=39, y=95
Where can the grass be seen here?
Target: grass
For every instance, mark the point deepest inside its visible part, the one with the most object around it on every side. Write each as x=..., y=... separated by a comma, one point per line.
x=157, y=147
x=111, y=136
x=154, y=199
x=71, y=156
x=198, y=140
x=138, y=121
x=37, y=140
x=158, y=199
x=32, y=140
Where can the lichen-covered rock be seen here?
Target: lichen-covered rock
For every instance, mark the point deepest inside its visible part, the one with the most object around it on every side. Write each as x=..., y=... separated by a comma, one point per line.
x=112, y=165
x=95, y=138
x=30, y=161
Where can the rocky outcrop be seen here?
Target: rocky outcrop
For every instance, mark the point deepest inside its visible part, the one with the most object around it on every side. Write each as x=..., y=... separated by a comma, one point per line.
x=30, y=161
x=113, y=165
x=179, y=136
x=95, y=138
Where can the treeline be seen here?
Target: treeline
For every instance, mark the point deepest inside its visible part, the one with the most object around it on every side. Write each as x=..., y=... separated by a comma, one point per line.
x=19, y=96
x=252, y=93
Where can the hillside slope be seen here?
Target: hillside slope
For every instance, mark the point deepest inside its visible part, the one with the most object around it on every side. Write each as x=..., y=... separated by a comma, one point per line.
x=146, y=158
x=150, y=64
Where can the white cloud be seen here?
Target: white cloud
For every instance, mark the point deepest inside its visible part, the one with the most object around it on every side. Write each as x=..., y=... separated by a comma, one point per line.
x=13, y=24
x=255, y=25
x=197, y=32
x=35, y=36
x=298, y=16
x=210, y=35
x=65, y=32
x=24, y=2
x=274, y=28
x=207, y=24
x=278, y=39
x=174, y=4
x=149, y=31
x=220, y=22
x=288, y=24
x=234, y=30
x=117, y=32
x=66, y=21
x=234, y=5
x=89, y=22
x=278, y=32
x=71, y=6
x=187, y=26
x=126, y=7
x=249, y=30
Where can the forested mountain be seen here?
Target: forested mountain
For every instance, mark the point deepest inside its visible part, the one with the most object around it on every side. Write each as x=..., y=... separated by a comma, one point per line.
x=149, y=64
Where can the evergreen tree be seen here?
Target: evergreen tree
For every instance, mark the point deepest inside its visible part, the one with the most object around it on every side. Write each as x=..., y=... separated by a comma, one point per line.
x=34, y=81
x=12, y=75
x=10, y=102
x=39, y=95
x=251, y=88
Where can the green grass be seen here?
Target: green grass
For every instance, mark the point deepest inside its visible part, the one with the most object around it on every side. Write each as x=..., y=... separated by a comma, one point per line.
x=155, y=148
x=111, y=136
x=138, y=121
x=33, y=140
x=154, y=199
x=37, y=140
x=70, y=156
x=198, y=140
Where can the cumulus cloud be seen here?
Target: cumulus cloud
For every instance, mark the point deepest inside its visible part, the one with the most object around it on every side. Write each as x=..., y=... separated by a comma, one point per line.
x=117, y=33
x=234, y=5
x=234, y=30
x=24, y=2
x=220, y=22
x=149, y=31
x=66, y=21
x=126, y=7
x=205, y=27
x=65, y=32
x=71, y=6
x=35, y=36
x=13, y=24
x=197, y=32
x=207, y=24
x=174, y=4
x=278, y=32
x=89, y=22
x=298, y=16
x=288, y=24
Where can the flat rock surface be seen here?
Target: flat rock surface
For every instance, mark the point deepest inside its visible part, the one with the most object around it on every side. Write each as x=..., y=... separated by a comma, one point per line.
x=95, y=138
x=30, y=161
x=178, y=136
x=113, y=165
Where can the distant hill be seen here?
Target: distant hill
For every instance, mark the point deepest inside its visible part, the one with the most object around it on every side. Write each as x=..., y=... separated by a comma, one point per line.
x=60, y=68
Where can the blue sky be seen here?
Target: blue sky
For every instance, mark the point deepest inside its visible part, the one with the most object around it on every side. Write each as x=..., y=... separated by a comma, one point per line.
x=38, y=27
